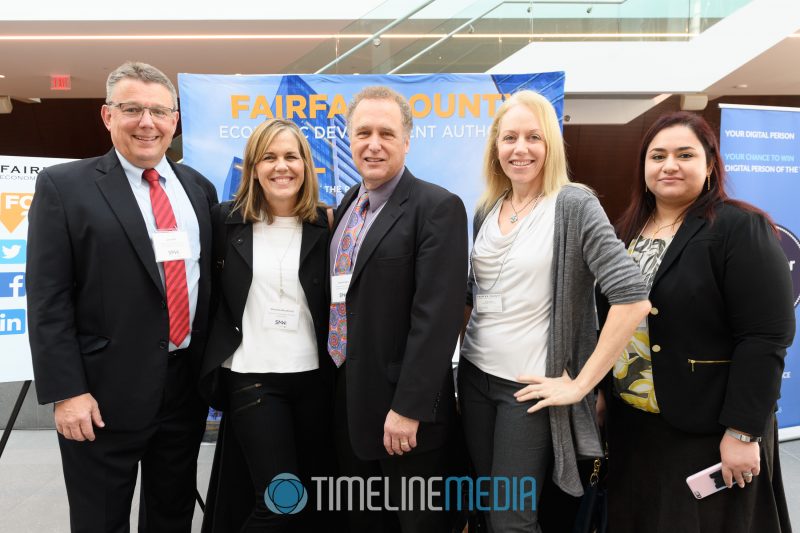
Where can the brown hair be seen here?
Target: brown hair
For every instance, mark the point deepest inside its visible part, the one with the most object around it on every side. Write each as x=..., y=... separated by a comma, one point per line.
x=643, y=202
x=380, y=92
x=250, y=198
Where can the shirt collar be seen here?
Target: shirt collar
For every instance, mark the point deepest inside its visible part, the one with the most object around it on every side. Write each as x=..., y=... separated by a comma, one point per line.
x=380, y=195
x=134, y=173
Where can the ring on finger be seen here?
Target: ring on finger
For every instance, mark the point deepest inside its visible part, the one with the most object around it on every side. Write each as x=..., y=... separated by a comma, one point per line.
x=748, y=476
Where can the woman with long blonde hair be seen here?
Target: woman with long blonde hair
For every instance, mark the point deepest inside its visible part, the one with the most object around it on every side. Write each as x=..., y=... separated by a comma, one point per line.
x=530, y=357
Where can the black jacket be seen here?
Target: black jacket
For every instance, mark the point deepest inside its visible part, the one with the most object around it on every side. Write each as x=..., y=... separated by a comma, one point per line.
x=96, y=303
x=721, y=321
x=233, y=274
x=405, y=307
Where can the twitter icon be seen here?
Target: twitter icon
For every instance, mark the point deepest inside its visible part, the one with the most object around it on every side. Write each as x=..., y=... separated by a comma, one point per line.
x=12, y=252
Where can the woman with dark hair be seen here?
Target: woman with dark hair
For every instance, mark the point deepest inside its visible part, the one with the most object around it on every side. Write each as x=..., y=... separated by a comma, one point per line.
x=699, y=381
x=266, y=363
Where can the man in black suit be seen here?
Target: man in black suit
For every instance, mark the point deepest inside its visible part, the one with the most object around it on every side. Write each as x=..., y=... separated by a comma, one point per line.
x=399, y=267
x=118, y=296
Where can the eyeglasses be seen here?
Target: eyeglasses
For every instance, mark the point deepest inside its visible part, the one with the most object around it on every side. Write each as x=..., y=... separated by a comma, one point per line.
x=135, y=111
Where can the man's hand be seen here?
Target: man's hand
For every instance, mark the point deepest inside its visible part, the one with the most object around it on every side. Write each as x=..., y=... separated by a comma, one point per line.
x=75, y=416
x=399, y=433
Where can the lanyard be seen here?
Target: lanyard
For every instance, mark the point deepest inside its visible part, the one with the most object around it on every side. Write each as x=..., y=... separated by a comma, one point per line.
x=280, y=264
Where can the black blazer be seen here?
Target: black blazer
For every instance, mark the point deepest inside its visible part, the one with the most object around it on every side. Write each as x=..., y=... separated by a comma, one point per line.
x=233, y=274
x=721, y=321
x=96, y=304
x=405, y=306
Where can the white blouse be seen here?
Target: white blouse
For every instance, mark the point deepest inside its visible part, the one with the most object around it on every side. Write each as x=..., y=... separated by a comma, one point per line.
x=276, y=261
x=513, y=342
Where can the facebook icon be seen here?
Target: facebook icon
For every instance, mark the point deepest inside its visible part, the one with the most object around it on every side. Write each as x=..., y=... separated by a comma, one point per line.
x=12, y=284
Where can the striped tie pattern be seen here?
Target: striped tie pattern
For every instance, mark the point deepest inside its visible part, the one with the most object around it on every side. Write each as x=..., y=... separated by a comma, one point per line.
x=337, y=325
x=174, y=271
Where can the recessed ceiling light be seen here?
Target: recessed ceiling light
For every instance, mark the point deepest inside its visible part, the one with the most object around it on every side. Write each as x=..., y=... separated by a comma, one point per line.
x=2, y=76
x=323, y=36
x=740, y=86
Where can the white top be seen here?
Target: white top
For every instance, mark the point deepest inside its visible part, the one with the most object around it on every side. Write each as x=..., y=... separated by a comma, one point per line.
x=513, y=342
x=276, y=255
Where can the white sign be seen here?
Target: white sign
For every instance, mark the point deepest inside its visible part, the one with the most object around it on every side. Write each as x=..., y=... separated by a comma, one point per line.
x=17, y=180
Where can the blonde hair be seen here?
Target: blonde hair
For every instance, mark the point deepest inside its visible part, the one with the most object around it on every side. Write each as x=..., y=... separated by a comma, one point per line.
x=554, y=171
x=250, y=198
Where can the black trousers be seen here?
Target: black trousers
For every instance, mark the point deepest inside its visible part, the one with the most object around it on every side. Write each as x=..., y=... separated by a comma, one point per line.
x=438, y=462
x=282, y=425
x=101, y=475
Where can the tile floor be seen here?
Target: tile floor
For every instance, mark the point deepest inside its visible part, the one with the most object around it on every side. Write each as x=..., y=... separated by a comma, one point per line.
x=33, y=498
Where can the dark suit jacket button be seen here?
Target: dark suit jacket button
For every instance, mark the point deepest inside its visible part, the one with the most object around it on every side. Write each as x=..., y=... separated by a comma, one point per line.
x=163, y=345
x=239, y=240
x=316, y=281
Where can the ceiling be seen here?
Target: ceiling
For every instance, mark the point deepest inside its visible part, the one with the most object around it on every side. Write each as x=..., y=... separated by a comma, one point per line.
x=87, y=51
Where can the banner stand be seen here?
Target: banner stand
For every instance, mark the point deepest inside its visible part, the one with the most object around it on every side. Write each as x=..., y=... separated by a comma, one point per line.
x=14, y=413
x=762, y=159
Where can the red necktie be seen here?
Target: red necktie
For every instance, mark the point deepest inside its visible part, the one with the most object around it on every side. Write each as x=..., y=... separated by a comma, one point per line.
x=174, y=271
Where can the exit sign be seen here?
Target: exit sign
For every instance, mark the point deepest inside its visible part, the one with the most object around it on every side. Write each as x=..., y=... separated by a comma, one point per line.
x=60, y=82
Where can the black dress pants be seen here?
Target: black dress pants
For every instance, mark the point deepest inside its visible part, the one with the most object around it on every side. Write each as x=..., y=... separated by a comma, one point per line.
x=282, y=425
x=101, y=475
x=397, y=469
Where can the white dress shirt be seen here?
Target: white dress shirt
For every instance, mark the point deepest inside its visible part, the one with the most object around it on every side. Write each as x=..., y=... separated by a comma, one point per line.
x=185, y=217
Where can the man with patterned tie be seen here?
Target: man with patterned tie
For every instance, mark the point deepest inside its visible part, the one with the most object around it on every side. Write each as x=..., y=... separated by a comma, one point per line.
x=398, y=279
x=118, y=296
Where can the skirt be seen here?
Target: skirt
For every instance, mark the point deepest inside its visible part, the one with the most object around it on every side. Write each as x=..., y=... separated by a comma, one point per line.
x=649, y=461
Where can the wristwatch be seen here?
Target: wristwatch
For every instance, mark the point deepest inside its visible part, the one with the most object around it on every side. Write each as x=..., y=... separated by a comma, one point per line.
x=741, y=436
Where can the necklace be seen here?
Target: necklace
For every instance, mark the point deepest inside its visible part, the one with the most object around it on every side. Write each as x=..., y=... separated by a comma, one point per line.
x=281, y=292
x=513, y=218
x=659, y=228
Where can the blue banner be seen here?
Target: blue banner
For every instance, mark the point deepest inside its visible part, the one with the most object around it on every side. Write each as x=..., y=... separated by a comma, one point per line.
x=762, y=157
x=452, y=116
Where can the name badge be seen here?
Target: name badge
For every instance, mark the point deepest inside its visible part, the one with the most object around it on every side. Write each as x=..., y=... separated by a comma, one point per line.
x=339, y=286
x=489, y=303
x=285, y=316
x=171, y=245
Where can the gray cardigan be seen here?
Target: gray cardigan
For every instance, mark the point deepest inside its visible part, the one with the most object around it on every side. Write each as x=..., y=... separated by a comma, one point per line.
x=585, y=249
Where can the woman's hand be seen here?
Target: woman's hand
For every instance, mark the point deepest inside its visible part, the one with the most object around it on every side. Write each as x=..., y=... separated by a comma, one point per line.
x=739, y=459
x=549, y=391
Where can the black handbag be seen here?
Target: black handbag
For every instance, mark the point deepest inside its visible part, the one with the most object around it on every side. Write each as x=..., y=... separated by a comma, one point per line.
x=592, y=516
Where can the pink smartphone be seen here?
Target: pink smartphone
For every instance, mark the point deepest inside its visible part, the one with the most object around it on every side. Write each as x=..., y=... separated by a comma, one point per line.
x=706, y=482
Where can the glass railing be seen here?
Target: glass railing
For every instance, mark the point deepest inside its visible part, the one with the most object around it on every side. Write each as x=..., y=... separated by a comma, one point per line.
x=458, y=36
